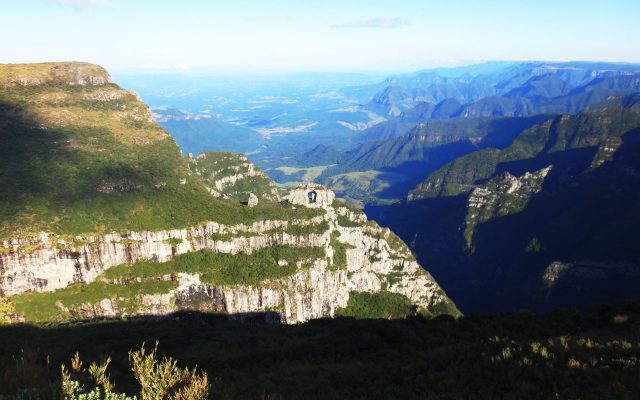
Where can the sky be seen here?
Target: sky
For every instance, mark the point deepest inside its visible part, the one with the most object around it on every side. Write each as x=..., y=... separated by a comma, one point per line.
x=315, y=35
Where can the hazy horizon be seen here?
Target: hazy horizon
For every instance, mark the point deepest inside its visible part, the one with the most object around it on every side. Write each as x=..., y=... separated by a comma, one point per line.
x=278, y=36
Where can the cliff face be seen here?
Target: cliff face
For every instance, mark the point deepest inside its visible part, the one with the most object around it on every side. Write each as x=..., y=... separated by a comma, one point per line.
x=549, y=221
x=501, y=196
x=233, y=176
x=100, y=216
x=375, y=261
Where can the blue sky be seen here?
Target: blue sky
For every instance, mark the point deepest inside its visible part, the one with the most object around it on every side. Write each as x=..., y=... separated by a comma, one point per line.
x=257, y=35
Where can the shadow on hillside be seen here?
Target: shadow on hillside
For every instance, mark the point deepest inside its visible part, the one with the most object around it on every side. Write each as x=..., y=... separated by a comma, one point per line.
x=433, y=229
x=592, y=220
x=347, y=358
x=589, y=217
x=26, y=147
x=500, y=133
x=503, y=131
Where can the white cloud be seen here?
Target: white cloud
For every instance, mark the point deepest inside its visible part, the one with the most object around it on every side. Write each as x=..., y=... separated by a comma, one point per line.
x=378, y=22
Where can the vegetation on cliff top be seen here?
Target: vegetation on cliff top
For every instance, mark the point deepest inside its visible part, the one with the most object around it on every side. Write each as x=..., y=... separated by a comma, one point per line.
x=213, y=168
x=89, y=160
x=226, y=269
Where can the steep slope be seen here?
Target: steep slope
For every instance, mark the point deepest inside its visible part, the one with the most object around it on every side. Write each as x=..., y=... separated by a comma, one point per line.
x=102, y=217
x=503, y=89
x=78, y=154
x=233, y=176
x=546, y=222
x=594, y=137
x=388, y=169
x=548, y=86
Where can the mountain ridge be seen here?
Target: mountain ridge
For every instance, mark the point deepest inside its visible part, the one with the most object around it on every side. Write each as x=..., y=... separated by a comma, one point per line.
x=111, y=221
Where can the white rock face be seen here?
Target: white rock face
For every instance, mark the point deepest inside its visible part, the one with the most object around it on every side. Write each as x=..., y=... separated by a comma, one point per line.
x=253, y=200
x=226, y=171
x=311, y=195
x=375, y=261
x=504, y=195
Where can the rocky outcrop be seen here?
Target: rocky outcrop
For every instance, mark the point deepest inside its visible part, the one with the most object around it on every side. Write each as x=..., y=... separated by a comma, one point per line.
x=229, y=175
x=504, y=195
x=311, y=195
x=375, y=261
x=589, y=270
x=47, y=262
x=299, y=264
x=253, y=200
x=69, y=73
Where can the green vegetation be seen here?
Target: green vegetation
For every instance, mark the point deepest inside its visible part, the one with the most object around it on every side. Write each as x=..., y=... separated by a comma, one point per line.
x=212, y=167
x=339, y=252
x=214, y=268
x=591, y=354
x=157, y=379
x=50, y=73
x=302, y=230
x=291, y=229
x=494, y=255
x=391, y=278
x=347, y=223
x=88, y=160
x=225, y=269
x=174, y=241
x=46, y=307
x=6, y=310
x=537, y=145
x=377, y=305
x=343, y=203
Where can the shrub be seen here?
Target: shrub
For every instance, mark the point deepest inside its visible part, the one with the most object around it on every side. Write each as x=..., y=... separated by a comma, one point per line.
x=158, y=379
x=164, y=379
x=364, y=305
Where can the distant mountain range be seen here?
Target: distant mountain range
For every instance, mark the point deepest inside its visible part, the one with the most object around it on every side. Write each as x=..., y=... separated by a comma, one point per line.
x=531, y=80
x=515, y=183
x=450, y=112
x=548, y=221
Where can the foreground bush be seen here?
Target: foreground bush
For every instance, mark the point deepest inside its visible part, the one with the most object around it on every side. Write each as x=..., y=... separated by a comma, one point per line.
x=157, y=378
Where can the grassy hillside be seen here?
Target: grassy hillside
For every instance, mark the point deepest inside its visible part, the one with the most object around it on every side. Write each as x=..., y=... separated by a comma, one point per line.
x=86, y=158
x=590, y=137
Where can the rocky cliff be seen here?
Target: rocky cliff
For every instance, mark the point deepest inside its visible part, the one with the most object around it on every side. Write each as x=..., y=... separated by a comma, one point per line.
x=101, y=217
x=501, y=196
x=549, y=221
x=355, y=256
x=233, y=176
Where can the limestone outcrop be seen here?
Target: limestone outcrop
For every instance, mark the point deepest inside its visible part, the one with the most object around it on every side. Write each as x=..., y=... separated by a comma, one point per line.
x=311, y=195
x=375, y=261
x=504, y=195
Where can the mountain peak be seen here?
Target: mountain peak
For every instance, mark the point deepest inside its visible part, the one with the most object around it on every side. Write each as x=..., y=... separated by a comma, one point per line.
x=70, y=73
